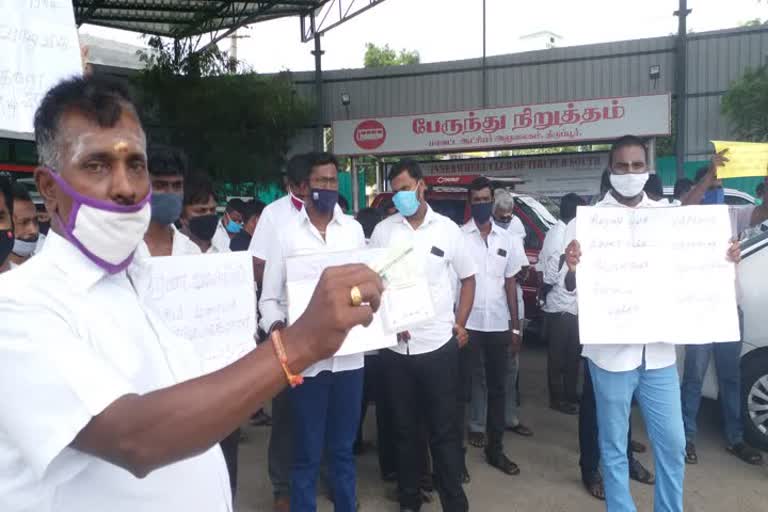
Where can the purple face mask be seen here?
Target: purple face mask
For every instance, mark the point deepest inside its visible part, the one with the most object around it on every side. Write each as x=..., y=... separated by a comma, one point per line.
x=106, y=233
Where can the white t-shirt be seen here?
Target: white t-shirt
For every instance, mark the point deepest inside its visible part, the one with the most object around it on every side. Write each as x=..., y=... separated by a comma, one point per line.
x=438, y=245
x=498, y=258
x=221, y=238
x=277, y=213
x=73, y=340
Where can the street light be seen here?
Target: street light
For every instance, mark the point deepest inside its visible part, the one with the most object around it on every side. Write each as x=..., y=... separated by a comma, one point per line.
x=345, y=99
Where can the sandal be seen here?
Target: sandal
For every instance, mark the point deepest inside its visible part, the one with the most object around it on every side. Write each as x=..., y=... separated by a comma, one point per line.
x=477, y=439
x=503, y=464
x=746, y=453
x=594, y=486
x=521, y=430
x=637, y=446
x=690, y=453
x=638, y=473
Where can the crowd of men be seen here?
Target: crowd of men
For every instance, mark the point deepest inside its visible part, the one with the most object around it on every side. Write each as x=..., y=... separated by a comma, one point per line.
x=108, y=412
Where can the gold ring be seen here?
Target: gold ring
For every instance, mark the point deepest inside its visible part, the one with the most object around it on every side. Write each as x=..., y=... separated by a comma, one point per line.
x=356, y=296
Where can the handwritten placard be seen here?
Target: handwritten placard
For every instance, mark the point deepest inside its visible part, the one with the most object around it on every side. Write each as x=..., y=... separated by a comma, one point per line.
x=744, y=159
x=655, y=275
x=205, y=299
x=39, y=47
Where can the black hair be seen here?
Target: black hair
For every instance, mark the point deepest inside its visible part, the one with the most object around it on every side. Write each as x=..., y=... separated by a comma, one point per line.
x=297, y=169
x=20, y=193
x=654, y=186
x=408, y=165
x=605, y=181
x=682, y=186
x=479, y=183
x=626, y=141
x=343, y=203
x=252, y=209
x=167, y=161
x=568, y=205
x=235, y=205
x=5, y=190
x=700, y=173
x=386, y=204
x=197, y=189
x=97, y=97
x=316, y=159
x=368, y=218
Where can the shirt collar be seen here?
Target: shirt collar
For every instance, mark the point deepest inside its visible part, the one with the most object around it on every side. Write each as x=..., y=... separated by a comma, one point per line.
x=337, y=215
x=429, y=217
x=75, y=266
x=471, y=227
x=609, y=200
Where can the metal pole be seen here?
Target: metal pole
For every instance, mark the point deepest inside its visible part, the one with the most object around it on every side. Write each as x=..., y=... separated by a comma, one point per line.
x=318, y=53
x=378, y=176
x=485, y=70
x=680, y=86
x=355, y=187
x=652, y=154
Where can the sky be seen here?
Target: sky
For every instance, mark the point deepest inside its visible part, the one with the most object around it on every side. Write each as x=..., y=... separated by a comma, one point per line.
x=444, y=30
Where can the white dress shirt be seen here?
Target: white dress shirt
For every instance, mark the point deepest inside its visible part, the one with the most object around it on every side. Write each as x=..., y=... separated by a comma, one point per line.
x=622, y=358
x=72, y=341
x=553, y=243
x=516, y=228
x=498, y=257
x=438, y=245
x=559, y=300
x=276, y=214
x=181, y=245
x=221, y=238
x=300, y=236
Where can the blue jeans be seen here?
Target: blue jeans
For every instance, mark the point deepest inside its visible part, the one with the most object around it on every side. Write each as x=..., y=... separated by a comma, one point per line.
x=478, y=407
x=657, y=392
x=326, y=414
x=727, y=364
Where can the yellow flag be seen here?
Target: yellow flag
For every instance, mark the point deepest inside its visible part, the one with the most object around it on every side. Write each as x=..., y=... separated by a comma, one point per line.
x=744, y=159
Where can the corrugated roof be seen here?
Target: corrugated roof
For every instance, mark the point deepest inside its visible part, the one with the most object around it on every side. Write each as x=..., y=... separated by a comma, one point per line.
x=180, y=18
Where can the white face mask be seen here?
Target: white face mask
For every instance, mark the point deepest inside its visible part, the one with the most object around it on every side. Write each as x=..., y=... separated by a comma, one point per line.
x=106, y=233
x=629, y=185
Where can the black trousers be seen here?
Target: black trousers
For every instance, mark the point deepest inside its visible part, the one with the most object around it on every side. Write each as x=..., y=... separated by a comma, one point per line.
x=563, y=357
x=423, y=387
x=280, y=450
x=229, y=447
x=492, y=349
x=589, y=459
x=374, y=390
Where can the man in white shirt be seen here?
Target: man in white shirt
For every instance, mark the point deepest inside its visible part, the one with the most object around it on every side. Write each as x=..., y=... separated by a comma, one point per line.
x=620, y=372
x=230, y=224
x=167, y=169
x=6, y=224
x=494, y=323
x=26, y=230
x=274, y=219
x=198, y=215
x=101, y=406
x=327, y=406
x=563, y=349
x=422, y=370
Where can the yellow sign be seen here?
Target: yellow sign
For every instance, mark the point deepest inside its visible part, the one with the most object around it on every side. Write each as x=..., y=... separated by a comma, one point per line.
x=744, y=159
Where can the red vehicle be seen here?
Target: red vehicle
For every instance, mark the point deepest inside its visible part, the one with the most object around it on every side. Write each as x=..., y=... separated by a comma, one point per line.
x=448, y=195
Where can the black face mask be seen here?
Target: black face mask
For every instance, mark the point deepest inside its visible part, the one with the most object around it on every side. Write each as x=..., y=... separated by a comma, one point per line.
x=203, y=227
x=44, y=227
x=6, y=244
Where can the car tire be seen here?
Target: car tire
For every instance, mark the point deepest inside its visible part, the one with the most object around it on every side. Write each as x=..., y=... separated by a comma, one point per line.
x=754, y=400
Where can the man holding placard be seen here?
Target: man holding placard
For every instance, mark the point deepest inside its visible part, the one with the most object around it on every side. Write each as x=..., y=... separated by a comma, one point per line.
x=645, y=371
x=422, y=371
x=327, y=406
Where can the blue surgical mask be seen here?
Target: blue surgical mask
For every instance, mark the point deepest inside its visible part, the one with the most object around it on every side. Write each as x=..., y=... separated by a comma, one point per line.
x=233, y=227
x=714, y=196
x=406, y=202
x=324, y=199
x=166, y=208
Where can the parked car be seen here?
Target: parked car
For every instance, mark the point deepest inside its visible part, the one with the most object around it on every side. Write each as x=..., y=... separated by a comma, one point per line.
x=733, y=197
x=451, y=201
x=752, y=278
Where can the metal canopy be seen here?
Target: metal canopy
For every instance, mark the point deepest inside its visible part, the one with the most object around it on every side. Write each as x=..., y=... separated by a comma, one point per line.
x=184, y=18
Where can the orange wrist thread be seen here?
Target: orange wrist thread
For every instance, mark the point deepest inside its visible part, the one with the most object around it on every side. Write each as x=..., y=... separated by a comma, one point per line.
x=277, y=343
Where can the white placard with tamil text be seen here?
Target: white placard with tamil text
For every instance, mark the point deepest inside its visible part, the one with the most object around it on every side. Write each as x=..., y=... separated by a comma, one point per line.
x=207, y=300
x=655, y=275
x=302, y=275
x=39, y=47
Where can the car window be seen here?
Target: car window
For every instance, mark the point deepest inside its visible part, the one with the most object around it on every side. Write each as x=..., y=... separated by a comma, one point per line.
x=736, y=200
x=451, y=208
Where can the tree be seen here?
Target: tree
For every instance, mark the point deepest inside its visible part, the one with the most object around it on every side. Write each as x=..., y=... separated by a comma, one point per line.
x=235, y=126
x=746, y=105
x=383, y=56
x=753, y=23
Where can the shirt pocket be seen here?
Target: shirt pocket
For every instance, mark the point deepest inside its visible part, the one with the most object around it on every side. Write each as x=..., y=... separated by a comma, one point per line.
x=497, y=264
x=435, y=265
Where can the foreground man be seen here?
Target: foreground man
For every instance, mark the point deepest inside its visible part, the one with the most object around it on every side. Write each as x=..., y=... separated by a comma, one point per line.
x=647, y=372
x=97, y=409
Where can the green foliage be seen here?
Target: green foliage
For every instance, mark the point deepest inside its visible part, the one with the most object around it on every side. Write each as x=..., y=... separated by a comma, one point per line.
x=746, y=105
x=753, y=23
x=383, y=56
x=235, y=127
